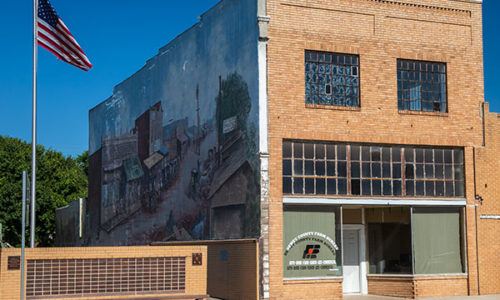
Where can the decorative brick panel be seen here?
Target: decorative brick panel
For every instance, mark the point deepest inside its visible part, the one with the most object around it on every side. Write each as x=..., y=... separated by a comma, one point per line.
x=100, y=276
x=197, y=259
x=13, y=263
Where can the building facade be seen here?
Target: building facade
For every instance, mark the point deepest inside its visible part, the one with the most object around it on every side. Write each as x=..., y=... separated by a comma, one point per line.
x=350, y=137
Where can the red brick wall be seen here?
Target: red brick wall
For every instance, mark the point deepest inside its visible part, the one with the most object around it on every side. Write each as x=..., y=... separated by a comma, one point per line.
x=311, y=289
x=418, y=286
x=105, y=272
x=488, y=187
x=435, y=286
x=391, y=286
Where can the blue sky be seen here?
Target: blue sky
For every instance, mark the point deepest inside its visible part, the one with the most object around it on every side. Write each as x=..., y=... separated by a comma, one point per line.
x=118, y=36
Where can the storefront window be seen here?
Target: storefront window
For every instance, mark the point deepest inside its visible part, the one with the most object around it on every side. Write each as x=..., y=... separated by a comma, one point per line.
x=437, y=240
x=389, y=238
x=436, y=235
x=312, y=242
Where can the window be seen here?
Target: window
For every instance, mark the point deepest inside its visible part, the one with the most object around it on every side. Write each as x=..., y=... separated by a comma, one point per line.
x=312, y=242
x=372, y=170
x=438, y=240
x=389, y=240
x=332, y=79
x=421, y=86
x=418, y=240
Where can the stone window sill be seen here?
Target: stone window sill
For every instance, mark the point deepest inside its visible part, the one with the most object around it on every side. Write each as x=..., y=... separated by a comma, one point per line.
x=333, y=107
x=422, y=113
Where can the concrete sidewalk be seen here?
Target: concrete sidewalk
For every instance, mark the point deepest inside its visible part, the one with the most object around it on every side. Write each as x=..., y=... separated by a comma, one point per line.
x=373, y=297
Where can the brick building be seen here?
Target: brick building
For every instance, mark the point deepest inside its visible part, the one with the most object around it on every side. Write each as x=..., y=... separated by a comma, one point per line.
x=357, y=129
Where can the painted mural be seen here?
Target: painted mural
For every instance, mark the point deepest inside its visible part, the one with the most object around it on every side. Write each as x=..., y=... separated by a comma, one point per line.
x=174, y=149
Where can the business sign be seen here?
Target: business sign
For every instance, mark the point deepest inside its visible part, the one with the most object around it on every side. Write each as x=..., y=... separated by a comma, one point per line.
x=310, y=249
x=229, y=125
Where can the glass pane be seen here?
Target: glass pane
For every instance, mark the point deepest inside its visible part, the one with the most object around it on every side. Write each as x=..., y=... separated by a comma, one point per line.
x=409, y=172
x=324, y=251
x=365, y=153
x=330, y=168
x=320, y=151
x=355, y=187
x=355, y=152
x=366, y=170
x=386, y=154
x=396, y=171
x=376, y=154
x=396, y=154
x=438, y=156
x=429, y=156
x=410, y=188
x=376, y=187
x=429, y=188
x=342, y=187
x=320, y=168
x=458, y=156
x=397, y=187
x=386, y=170
x=459, y=172
x=449, y=189
x=419, y=155
x=419, y=171
x=297, y=150
x=366, y=187
x=342, y=169
x=298, y=169
x=429, y=171
x=439, y=188
x=320, y=186
x=309, y=150
x=309, y=166
x=298, y=185
x=376, y=172
x=330, y=151
x=287, y=185
x=287, y=167
x=419, y=188
x=459, y=189
x=409, y=155
x=448, y=156
x=355, y=170
x=341, y=152
x=331, y=186
x=309, y=188
x=439, y=172
x=448, y=171
x=387, y=188
x=287, y=149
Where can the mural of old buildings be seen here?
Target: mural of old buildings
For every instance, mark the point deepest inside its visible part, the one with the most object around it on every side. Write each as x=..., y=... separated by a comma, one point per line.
x=173, y=152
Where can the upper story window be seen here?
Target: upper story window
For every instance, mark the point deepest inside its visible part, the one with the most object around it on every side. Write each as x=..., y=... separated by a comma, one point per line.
x=320, y=168
x=332, y=79
x=421, y=86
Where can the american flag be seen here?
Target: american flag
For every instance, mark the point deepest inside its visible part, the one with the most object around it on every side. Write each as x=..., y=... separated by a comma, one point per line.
x=54, y=36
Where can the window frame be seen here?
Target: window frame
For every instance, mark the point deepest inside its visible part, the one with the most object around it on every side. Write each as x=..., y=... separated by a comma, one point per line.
x=338, y=173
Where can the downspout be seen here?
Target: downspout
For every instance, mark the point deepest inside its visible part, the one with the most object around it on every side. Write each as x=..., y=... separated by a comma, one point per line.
x=475, y=219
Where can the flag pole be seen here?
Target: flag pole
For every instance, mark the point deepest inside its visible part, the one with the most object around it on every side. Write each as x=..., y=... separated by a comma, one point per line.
x=33, y=129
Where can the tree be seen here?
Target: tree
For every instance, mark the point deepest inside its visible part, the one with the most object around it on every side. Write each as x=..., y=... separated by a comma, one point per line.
x=60, y=180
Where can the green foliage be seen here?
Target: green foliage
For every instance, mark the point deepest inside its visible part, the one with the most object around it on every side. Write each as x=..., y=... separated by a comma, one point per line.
x=59, y=181
x=233, y=100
